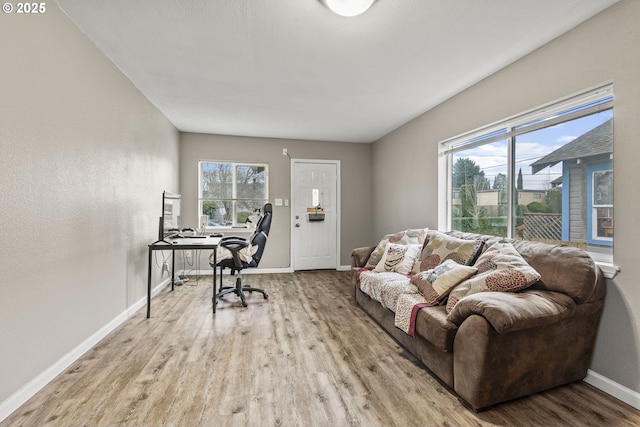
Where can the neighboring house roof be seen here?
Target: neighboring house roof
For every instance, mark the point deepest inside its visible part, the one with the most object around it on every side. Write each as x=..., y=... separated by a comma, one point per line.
x=598, y=140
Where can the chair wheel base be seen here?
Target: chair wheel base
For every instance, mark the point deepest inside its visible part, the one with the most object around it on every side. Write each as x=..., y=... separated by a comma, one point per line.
x=239, y=291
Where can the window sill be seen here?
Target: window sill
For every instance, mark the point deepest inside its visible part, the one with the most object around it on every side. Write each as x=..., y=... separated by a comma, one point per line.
x=608, y=269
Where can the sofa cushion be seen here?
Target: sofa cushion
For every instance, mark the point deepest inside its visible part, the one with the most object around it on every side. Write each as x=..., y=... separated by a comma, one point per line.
x=441, y=247
x=435, y=284
x=500, y=268
x=585, y=283
x=398, y=258
x=406, y=237
x=433, y=325
x=507, y=311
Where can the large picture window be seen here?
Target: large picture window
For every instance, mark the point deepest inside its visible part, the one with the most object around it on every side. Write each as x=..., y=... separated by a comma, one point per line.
x=230, y=192
x=545, y=175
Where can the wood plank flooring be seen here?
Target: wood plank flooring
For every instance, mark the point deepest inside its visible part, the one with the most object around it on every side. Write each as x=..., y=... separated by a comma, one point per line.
x=307, y=356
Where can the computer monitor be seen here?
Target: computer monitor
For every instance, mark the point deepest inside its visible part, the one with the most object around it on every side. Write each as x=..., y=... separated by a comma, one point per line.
x=170, y=221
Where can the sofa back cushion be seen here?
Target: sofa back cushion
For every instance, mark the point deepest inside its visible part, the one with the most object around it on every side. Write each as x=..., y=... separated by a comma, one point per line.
x=564, y=269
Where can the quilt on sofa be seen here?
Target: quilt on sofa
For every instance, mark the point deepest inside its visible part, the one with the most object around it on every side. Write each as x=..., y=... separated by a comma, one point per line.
x=395, y=292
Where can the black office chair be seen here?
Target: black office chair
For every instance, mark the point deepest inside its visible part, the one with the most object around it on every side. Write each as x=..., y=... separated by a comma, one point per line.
x=237, y=262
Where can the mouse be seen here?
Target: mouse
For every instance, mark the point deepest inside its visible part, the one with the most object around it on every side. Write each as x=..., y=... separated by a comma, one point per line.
x=217, y=235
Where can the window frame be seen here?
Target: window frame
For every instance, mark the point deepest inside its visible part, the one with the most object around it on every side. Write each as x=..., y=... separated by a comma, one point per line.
x=592, y=234
x=573, y=107
x=234, y=199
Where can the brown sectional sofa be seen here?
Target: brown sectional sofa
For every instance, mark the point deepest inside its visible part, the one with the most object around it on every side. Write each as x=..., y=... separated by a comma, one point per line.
x=498, y=346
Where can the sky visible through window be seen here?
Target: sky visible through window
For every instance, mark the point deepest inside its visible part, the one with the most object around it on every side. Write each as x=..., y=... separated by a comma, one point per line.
x=492, y=158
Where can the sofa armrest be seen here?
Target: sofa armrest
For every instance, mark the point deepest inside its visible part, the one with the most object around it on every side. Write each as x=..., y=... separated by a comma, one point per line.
x=359, y=256
x=513, y=311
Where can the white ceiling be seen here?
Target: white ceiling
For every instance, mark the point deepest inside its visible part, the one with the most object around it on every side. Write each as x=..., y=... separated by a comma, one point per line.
x=293, y=69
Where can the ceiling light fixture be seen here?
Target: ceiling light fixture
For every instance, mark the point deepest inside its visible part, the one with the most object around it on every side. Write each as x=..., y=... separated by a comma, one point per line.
x=349, y=7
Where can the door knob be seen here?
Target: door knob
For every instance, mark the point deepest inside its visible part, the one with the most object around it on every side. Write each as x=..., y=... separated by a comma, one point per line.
x=297, y=224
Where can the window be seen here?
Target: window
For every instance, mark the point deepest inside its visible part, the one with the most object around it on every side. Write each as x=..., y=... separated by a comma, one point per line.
x=546, y=175
x=230, y=192
x=601, y=194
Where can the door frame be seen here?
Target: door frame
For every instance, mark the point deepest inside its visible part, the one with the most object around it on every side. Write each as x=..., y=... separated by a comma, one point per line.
x=293, y=204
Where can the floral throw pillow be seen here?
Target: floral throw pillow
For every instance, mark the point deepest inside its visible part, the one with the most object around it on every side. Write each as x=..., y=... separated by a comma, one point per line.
x=442, y=247
x=406, y=237
x=435, y=284
x=500, y=268
x=398, y=258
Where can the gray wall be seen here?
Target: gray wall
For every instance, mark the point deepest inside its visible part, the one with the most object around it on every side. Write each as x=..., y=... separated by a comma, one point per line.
x=85, y=158
x=355, y=172
x=604, y=49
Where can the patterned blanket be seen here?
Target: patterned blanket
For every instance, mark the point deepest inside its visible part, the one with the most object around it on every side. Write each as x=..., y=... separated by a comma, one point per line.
x=407, y=310
x=385, y=287
x=395, y=292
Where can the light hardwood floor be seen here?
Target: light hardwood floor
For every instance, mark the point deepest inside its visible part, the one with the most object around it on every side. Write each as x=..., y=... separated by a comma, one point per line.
x=307, y=356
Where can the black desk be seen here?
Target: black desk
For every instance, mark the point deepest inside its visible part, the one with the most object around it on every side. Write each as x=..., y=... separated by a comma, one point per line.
x=181, y=244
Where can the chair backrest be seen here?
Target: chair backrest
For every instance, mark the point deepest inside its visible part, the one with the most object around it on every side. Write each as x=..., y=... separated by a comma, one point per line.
x=259, y=237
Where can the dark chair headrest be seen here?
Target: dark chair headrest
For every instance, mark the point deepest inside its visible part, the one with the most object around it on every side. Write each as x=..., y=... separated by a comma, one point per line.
x=264, y=225
x=262, y=231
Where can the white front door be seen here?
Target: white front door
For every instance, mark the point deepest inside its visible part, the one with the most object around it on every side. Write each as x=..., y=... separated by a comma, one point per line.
x=315, y=239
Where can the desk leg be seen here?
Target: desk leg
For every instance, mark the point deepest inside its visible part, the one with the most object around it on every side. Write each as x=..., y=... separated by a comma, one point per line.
x=215, y=272
x=173, y=268
x=149, y=285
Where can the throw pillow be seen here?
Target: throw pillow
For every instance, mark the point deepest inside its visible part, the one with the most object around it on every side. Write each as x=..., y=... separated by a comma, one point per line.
x=442, y=247
x=398, y=258
x=406, y=237
x=435, y=284
x=500, y=268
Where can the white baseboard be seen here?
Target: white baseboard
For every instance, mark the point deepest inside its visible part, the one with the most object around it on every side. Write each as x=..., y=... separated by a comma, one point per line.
x=18, y=398
x=620, y=392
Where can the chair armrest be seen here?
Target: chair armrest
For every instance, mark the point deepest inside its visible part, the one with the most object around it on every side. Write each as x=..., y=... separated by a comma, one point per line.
x=228, y=238
x=359, y=256
x=233, y=246
x=234, y=243
x=513, y=311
